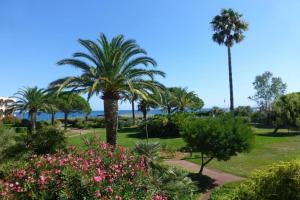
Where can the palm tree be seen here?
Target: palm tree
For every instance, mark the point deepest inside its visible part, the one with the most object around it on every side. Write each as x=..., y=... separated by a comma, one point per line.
x=186, y=100
x=228, y=29
x=131, y=97
x=31, y=100
x=110, y=68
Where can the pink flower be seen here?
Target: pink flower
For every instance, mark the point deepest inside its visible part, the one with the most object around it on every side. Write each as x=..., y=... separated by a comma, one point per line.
x=97, y=179
x=109, y=189
x=118, y=197
x=98, y=194
x=42, y=180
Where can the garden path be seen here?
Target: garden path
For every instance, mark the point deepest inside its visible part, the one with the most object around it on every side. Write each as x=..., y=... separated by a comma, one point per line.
x=219, y=178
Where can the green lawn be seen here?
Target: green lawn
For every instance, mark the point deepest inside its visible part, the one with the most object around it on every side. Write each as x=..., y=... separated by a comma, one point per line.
x=126, y=137
x=267, y=149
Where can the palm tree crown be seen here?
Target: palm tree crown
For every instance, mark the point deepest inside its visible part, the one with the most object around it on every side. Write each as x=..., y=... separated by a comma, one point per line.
x=32, y=100
x=110, y=68
x=228, y=27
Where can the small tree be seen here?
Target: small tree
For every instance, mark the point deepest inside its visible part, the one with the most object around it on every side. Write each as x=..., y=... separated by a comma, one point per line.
x=217, y=138
x=268, y=89
x=68, y=103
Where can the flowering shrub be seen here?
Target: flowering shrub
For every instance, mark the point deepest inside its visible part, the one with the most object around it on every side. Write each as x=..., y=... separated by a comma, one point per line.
x=99, y=172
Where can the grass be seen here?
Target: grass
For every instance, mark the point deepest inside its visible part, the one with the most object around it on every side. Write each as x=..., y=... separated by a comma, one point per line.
x=126, y=137
x=268, y=148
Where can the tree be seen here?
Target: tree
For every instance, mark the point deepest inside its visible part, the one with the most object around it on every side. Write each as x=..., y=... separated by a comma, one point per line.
x=110, y=68
x=68, y=103
x=286, y=111
x=168, y=101
x=31, y=100
x=216, y=111
x=243, y=111
x=217, y=138
x=185, y=100
x=229, y=28
x=268, y=89
x=131, y=97
x=51, y=105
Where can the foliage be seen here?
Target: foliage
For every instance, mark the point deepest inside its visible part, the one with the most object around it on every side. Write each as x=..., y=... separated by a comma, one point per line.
x=46, y=140
x=10, y=144
x=100, y=172
x=243, y=111
x=224, y=193
x=286, y=110
x=174, y=182
x=268, y=89
x=279, y=181
x=149, y=150
x=259, y=117
x=228, y=27
x=10, y=119
x=31, y=100
x=184, y=100
x=217, y=138
x=111, y=68
x=216, y=111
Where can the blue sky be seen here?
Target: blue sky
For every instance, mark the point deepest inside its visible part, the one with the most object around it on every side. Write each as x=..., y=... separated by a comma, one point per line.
x=35, y=34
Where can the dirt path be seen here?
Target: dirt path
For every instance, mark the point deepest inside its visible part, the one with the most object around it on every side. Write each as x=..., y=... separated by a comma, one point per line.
x=219, y=178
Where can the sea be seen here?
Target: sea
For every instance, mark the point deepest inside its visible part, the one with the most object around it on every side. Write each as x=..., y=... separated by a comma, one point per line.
x=94, y=114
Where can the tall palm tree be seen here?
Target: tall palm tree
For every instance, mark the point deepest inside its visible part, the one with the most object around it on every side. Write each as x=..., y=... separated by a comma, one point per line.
x=31, y=100
x=110, y=68
x=229, y=28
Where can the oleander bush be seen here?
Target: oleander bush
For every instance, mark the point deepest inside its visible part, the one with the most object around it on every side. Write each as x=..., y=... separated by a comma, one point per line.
x=99, y=172
x=280, y=181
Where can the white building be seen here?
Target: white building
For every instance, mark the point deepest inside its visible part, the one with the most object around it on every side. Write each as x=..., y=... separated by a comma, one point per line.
x=4, y=105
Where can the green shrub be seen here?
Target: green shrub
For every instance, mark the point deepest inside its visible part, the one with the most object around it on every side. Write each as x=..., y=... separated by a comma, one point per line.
x=47, y=140
x=21, y=129
x=243, y=111
x=173, y=182
x=12, y=144
x=217, y=137
x=225, y=192
x=259, y=117
x=165, y=126
x=280, y=181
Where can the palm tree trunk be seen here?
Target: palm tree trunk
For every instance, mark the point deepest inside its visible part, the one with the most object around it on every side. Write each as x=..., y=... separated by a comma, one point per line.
x=33, y=122
x=133, y=113
x=66, y=120
x=111, y=120
x=52, y=118
x=230, y=79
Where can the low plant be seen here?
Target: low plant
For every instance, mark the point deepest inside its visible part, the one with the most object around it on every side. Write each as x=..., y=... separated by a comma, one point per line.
x=46, y=140
x=100, y=171
x=278, y=182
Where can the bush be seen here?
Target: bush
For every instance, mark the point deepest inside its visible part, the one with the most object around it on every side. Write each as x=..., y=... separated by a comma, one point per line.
x=278, y=182
x=47, y=140
x=165, y=126
x=217, y=137
x=243, y=111
x=10, y=120
x=21, y=129
x=125, y=122
x=99, y=172
x=12, y=145
x=260, y=117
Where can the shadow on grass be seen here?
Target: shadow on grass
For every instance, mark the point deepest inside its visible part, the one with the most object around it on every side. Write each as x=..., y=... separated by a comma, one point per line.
x=202, y=182
x=141, y=135
x=290, y=133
